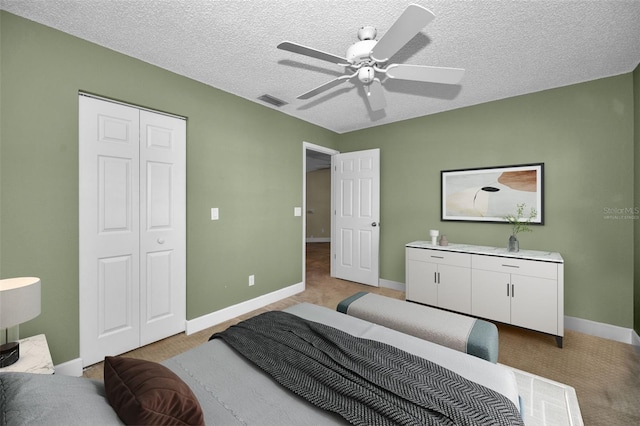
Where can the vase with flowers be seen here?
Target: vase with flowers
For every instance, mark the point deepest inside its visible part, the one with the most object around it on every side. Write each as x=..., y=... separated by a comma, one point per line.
x=519, y=223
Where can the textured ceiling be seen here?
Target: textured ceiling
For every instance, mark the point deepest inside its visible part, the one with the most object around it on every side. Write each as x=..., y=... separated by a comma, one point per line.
x=508, y=48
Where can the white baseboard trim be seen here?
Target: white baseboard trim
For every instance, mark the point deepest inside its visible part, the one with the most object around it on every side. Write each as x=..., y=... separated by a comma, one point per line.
x=217, y=317
x=318, y=239
x=394, y=285
x=599, y=329
x=70, y=368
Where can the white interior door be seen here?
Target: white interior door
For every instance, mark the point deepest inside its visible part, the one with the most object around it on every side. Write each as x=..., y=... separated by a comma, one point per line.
x=162, y=226
x=132, y=231
x=356, y=192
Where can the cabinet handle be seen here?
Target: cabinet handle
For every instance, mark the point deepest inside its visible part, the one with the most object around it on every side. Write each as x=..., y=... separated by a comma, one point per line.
x=438, y=277
x=508, y=290
x=510, y=266
x=435, y=277
x=437, y=257
x=513, y=291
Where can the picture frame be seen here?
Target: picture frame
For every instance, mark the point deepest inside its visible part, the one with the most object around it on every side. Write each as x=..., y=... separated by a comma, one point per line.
x=488, y=194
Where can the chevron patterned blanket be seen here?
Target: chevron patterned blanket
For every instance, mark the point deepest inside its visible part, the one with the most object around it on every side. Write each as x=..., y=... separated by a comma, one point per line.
x=364, y=381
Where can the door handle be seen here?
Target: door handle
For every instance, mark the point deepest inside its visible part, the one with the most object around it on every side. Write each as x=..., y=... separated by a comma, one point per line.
x=160, y=240
x=374, y=224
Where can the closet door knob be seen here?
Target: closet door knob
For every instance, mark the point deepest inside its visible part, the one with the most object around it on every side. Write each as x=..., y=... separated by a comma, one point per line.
x=160, y=240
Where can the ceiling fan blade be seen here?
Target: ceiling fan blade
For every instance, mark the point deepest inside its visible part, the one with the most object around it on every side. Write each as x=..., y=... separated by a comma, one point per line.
x=375, y=96
x=324, y=87
x=412, y=20
x=425, y=73
x=314, y=53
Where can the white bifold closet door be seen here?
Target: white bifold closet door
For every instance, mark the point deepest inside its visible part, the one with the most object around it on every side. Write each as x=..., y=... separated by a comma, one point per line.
x=132, y=174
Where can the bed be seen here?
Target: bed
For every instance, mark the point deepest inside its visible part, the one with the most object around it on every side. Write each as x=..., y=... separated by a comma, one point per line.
x=231, y=389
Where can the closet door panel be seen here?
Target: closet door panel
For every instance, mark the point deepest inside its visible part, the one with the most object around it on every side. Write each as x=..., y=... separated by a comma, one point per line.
x=109, y=229
x=163, y=226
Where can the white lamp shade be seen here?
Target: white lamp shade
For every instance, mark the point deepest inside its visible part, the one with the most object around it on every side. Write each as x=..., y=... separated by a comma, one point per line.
x=19, y=300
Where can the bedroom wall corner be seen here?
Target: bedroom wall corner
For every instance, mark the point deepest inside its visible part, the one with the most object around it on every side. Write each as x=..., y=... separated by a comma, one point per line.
x=1, y=138
x=636, y=180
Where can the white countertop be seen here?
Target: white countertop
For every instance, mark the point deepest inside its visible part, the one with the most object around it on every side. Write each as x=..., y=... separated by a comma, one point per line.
x=545, y=256
x=34, y=357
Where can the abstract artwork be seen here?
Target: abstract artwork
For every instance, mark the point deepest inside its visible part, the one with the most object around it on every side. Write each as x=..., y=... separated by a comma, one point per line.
x=491, y=193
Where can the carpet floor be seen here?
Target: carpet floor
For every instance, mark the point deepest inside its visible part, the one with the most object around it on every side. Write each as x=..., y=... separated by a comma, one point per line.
x=605, y=374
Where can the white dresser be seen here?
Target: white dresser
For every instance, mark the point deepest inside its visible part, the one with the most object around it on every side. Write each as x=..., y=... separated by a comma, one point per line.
x=525, y=288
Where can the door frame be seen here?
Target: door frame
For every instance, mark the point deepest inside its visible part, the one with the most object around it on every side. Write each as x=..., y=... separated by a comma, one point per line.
x=307, y=146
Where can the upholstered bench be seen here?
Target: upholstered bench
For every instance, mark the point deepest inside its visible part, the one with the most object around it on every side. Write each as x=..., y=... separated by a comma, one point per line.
x=470, y=335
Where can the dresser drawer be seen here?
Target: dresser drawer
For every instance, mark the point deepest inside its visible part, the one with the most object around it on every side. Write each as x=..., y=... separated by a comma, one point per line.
x=439, y=257
x=509, y=265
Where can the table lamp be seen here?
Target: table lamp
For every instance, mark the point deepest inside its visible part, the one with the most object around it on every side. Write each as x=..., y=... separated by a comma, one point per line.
x=19, y=302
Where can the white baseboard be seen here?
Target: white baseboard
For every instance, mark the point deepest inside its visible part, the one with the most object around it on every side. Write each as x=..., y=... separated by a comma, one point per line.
x=70, y=368
x=217, y=317
x=394, y=285
x=318, y=239
x=599, y=329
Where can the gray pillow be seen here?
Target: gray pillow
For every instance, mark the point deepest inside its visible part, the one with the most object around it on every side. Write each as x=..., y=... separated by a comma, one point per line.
x=38, y=399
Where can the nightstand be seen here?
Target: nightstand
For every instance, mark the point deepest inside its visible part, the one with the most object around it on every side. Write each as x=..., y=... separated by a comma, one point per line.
x=34, y=357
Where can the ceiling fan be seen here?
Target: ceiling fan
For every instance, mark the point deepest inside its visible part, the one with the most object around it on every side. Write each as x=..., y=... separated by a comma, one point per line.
x=369, y=56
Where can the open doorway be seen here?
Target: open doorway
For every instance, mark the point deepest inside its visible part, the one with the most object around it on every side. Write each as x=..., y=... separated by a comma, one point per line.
x=317, y=199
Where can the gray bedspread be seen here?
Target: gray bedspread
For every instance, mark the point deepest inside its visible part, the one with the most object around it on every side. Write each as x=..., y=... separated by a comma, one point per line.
x=365, y=381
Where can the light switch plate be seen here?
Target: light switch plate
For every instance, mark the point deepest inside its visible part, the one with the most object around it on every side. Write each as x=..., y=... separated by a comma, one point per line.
x=215, y=215
x=297, y=211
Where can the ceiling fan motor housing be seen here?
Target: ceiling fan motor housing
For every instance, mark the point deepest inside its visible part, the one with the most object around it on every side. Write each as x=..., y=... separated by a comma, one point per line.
x=360, y=51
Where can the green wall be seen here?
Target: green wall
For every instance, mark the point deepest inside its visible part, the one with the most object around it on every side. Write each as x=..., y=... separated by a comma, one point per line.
x=636, y=137
x=243, y=158
x=583, y=134
x=246, y=159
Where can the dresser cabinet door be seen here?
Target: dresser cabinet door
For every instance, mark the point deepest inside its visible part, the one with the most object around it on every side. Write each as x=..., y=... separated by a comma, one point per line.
x=490, y=295
x=534, y=303
x=421, y=282
x=454, y=288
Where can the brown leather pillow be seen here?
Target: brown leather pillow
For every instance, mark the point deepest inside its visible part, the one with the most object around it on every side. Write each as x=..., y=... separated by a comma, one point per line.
x=146, y=393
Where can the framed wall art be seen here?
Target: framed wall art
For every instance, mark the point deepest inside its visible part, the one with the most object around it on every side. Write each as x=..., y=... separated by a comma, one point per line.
x=489, y=194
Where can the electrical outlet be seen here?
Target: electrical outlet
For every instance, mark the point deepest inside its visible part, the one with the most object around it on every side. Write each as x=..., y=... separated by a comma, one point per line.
x=252, y=280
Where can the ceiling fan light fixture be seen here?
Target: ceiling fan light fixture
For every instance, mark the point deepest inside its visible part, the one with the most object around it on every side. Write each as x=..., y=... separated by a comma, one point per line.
x=366, y=74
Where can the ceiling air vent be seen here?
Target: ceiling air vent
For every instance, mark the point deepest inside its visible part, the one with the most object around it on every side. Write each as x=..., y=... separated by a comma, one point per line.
x=272, y=100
